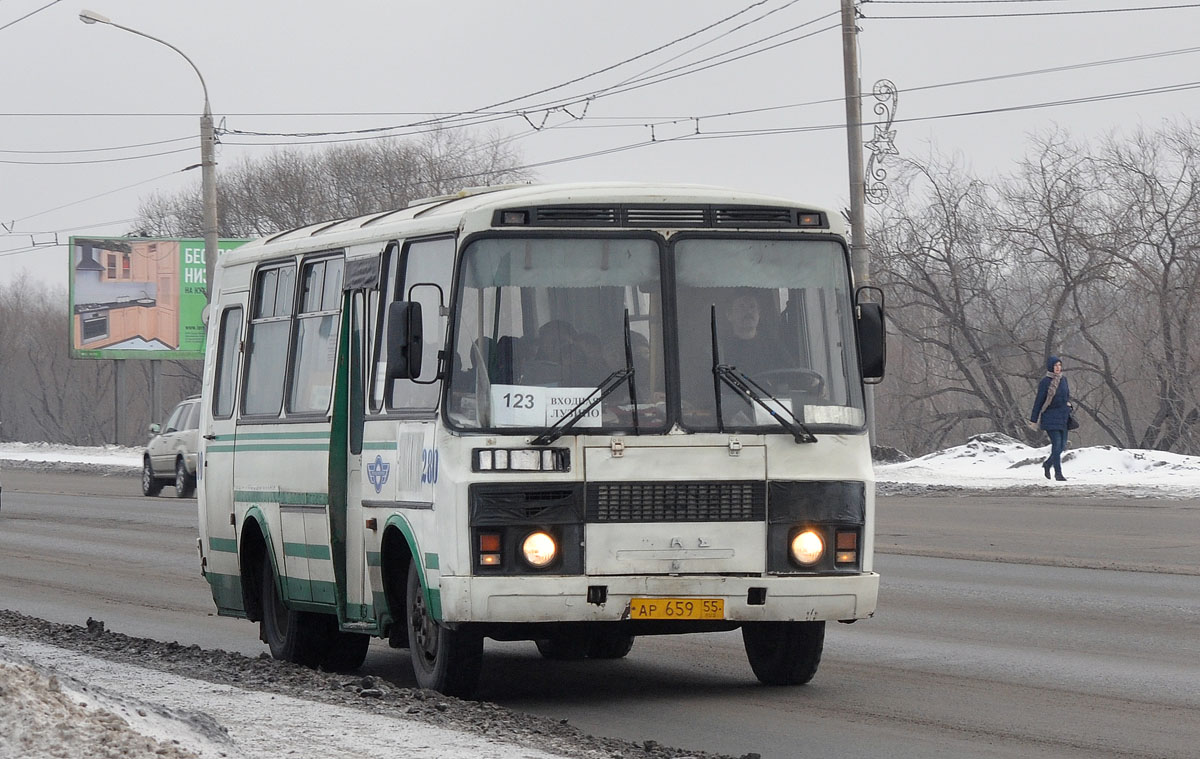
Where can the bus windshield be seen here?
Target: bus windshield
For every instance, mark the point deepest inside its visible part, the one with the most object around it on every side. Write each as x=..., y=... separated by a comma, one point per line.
x=540, y=322
x=782, y=319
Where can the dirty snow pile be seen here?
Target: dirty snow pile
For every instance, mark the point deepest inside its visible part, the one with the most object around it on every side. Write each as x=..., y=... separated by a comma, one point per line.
x=48, y=715
x=85, y=692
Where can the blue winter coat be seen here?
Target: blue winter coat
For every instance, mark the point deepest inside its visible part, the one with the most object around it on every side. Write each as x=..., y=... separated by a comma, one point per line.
x=1055, y=416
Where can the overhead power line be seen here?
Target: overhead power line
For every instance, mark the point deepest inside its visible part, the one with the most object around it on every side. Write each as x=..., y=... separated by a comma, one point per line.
x=1025, y=14
x=96, y=196
x=95, y=160
x=97, y=150
x=31, y=13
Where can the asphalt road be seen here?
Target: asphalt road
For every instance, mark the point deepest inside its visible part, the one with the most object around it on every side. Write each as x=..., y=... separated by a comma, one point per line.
x=1009, y=626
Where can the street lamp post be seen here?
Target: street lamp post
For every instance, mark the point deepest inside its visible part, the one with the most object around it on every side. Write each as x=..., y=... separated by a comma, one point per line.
x=208, y=163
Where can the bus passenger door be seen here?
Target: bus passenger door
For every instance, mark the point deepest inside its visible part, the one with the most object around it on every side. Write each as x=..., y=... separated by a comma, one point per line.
x=351, y=553
x=214, y=469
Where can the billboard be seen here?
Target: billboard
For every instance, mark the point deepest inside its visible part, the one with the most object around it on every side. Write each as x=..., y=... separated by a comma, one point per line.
x=135, y=297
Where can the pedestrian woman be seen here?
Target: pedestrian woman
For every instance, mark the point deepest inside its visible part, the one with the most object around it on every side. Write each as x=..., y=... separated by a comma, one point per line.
x=1051, y=410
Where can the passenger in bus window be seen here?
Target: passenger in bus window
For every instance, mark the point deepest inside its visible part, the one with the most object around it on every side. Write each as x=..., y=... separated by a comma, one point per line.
x=560, y=359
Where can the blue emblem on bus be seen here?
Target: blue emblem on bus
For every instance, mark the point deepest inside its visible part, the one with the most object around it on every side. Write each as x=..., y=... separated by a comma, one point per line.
x=377, y=473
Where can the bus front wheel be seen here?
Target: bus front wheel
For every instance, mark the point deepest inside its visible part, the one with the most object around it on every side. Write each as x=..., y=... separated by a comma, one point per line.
x=784, y=653
x=444, y=659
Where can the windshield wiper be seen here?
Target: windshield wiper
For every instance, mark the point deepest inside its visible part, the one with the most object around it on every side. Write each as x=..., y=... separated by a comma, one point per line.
x=606, y=387
x=579, y=410
x=753, y=392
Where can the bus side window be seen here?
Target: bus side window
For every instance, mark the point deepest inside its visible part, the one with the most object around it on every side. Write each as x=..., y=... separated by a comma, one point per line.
x=316, y=336
x=267, y=340
x=388, y=287
x=425, y=263
x=231, y=336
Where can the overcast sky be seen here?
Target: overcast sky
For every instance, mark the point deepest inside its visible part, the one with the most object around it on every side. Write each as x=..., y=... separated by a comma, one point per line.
x=94, y=119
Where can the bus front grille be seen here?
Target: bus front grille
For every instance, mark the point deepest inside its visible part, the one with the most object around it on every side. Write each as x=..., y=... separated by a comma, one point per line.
x=719, y=501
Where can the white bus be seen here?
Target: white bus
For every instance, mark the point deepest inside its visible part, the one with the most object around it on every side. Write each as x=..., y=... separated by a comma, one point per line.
x=572, y=414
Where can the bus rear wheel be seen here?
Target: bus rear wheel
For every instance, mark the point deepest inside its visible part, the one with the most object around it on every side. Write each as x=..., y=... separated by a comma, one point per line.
x=610, y=645
x=784, y=653
x=603, y=644
x=297, y=636
x=444, y=659
x=347, y=651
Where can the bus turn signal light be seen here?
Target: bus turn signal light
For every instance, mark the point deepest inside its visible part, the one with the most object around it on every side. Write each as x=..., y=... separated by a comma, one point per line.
x=489, y=549
x=846, y=548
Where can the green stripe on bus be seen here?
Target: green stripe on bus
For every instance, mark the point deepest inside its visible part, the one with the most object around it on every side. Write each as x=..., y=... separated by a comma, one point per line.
x=224, y=545
x=374, y=559
x=431, y=561
x=307, y=551
x=282, y=497
x=372, y=445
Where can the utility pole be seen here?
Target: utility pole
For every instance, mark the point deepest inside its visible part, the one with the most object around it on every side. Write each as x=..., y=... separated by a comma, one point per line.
x=859, y=255
x=208, y=182
x=860, y=260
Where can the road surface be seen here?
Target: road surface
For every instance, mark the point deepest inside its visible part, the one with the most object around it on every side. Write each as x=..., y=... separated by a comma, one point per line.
x=1008, y=626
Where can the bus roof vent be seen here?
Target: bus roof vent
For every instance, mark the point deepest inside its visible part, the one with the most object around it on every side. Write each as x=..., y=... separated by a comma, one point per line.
x=591, y=216
x=666, y=216
x=755, y=216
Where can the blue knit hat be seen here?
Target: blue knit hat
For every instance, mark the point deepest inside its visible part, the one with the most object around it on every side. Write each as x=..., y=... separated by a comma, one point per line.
x=1050, y=362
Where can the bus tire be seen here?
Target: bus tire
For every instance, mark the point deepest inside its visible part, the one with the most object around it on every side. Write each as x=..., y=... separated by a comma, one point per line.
x=609, y=645
x=347, y=651
x=784, y=653
x=297, y=636
x=151, y=485
x=444, y=659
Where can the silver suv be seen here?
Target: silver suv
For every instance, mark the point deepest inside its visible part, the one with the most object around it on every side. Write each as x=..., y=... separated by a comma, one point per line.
x=170, y=456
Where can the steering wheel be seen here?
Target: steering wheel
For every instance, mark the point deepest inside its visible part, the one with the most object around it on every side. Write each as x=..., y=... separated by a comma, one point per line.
x=791, y=381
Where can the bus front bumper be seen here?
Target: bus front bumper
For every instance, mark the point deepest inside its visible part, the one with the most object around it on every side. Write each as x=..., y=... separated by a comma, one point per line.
x=746, y=599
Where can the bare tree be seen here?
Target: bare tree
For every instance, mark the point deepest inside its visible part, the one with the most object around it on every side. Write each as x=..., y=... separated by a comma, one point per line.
x=291, y=188
x=952, y=303
x=1090, y=254
x=1153, y=180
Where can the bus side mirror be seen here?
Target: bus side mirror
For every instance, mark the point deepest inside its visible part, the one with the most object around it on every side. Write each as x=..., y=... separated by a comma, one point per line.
x=872, y=339
x=405, y=341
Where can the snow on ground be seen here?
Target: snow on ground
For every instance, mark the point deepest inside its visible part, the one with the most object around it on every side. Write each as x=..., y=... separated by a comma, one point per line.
x=996, y=461
x=989, y=461
x=105, y=455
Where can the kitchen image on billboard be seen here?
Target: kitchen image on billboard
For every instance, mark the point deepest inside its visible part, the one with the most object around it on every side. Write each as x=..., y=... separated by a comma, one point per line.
x=126, y=294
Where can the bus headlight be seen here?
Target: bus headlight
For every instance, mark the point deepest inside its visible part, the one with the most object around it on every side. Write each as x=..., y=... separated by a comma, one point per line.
x=539, y=549
x=807, y=547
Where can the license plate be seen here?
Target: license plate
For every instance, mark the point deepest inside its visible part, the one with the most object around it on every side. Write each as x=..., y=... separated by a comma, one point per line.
x=677, y=608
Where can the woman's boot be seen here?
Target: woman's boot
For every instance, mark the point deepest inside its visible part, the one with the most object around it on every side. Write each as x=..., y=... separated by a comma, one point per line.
x=1046, y=468
x=1058, y=475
